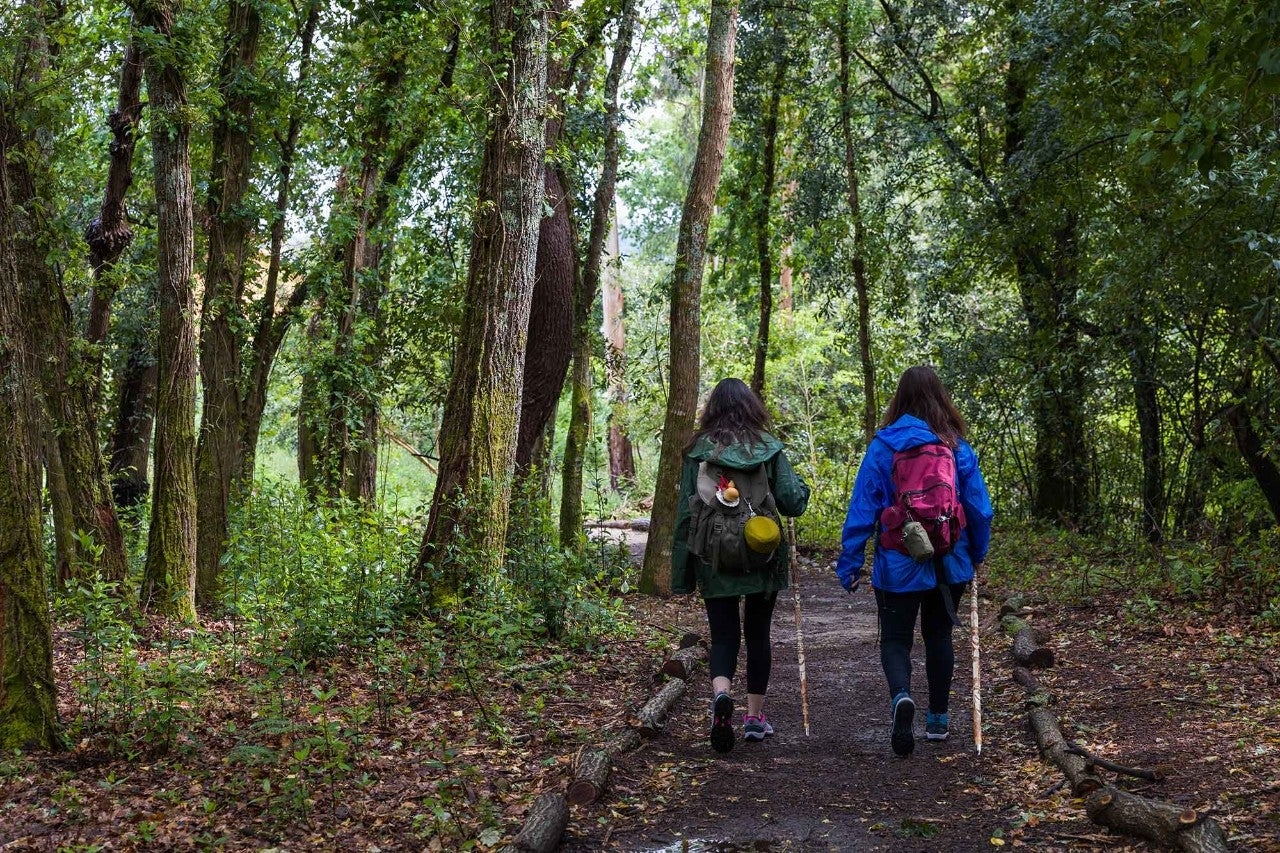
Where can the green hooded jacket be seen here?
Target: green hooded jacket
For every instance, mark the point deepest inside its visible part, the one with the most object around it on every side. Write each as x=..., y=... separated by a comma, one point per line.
x=789, y=491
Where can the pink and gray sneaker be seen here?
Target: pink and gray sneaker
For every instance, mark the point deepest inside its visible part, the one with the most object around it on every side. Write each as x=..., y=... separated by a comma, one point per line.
x=756, y=728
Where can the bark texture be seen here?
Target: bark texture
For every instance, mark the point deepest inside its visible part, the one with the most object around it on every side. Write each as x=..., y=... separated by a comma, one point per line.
x=109, y=234
x=482, y=409
x=170, y=574
x=218, y=463
x=131, y=435
x=66, y=370
x=543, y=827
x=585, y=296
x=28, y=712
x=549, y=346
x=686, y=292
x=653, y=716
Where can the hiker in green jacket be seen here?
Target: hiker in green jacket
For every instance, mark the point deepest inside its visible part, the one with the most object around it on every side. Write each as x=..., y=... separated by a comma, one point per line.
x=728, y=539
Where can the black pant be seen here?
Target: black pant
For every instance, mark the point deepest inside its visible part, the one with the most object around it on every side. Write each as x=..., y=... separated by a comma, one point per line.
x=726, y=633
x=897, y=629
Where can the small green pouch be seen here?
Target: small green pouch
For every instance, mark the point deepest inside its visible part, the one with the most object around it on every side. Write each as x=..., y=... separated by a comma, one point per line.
x=916, y=538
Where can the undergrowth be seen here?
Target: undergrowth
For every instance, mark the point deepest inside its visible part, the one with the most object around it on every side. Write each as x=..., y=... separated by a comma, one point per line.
x=1241, y=575
x=320, y=640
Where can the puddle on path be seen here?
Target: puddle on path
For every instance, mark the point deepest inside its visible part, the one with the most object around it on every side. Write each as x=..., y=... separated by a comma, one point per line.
x=702, y=845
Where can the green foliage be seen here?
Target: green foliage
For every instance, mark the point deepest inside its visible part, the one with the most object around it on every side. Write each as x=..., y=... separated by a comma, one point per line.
x=1240, y=576
x=316, y=578
x=136, y=702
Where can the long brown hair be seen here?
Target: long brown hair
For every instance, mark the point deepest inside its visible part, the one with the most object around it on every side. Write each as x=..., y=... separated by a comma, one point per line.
x=922, y=394
x=733, y=414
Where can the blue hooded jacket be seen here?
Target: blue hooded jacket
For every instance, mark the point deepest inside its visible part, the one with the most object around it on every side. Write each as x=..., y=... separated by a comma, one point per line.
x=893, y=571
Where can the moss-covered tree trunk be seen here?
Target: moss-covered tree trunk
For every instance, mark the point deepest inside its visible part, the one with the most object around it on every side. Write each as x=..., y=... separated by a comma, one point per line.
x=69, y=399
x=67, y=374
x=870, y=413
x=686, y=293
x=170, y=575
x=482, y=409
x=28, y=711
x=231, y=222
x=585, y=297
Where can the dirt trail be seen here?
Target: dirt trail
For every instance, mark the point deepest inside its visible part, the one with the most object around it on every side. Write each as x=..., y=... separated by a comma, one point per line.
x=841, y=788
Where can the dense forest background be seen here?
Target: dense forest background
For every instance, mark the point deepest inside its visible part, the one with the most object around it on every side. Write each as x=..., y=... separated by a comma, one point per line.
x=323, y=319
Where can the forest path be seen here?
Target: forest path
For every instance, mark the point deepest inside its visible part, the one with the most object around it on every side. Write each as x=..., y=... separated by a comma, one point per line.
x=841, y=788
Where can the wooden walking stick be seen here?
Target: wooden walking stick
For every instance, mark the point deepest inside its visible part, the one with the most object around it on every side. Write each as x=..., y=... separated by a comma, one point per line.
x=795, y=595
x=977, y=667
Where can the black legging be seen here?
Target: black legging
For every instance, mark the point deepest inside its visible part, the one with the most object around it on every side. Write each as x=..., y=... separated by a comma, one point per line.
x=726, y=634
x=897, y=628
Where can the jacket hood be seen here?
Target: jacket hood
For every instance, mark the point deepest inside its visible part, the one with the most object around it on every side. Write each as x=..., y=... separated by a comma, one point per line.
x=906, y=432
x=737, y=455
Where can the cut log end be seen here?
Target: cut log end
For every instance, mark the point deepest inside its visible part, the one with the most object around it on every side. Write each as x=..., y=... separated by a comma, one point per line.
x=544, y=825
x=683, y=663
x=590, y=778
x=1029, y=650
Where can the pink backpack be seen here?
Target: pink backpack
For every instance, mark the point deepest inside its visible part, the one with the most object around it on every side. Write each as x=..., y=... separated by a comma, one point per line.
x=924, y=490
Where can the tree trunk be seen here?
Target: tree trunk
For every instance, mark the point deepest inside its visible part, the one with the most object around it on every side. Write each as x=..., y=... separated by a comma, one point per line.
x=362, y=467
x=131, y=437
x=1047, y=290
x=482, y=409
x=273, y=322
x=870, y=410
x=550, y=343
x=66, y=374
x=69, y=394
x=170, y=574
x=1142, y=367
x=109, y=234
x=218, y=462
x=686, y=292
x=764, y=212
x=584, y=299
x=1255, y=454
x=64, y=525
x=28, y=692
x=622, y=460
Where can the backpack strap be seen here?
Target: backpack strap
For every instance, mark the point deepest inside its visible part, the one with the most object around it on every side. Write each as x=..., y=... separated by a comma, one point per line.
x=940, y=575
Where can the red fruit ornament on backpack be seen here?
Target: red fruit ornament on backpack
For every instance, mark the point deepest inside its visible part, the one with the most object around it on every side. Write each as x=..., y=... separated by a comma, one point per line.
x=925, y=492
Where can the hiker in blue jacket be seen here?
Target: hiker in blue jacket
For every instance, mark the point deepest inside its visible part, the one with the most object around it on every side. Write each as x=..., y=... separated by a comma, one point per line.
x=920, y=413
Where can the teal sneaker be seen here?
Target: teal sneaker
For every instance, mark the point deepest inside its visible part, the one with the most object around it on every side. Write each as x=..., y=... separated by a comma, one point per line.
x=904, y=713
x=722, y=723
x=935, y=726
x=756, y=728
